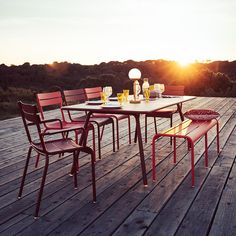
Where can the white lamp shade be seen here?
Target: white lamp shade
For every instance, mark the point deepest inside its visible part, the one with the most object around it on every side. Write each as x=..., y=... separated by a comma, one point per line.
x=134, y=73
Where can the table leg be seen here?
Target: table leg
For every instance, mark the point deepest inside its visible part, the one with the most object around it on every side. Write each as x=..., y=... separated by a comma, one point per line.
x=179, y=109
x=135, y=136
x=141, y=152
x=83, y=139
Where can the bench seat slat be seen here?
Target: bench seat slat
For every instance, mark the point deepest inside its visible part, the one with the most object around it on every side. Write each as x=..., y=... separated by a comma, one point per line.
x=190, y=129
x=203, y=128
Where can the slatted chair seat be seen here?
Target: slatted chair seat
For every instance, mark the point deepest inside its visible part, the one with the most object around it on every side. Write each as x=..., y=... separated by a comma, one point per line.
x=65, y=125
x=56, y=146
x=100, y=120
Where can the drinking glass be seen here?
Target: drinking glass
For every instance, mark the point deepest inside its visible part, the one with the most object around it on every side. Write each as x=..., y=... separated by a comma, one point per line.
x=126, y=94
x=151, y=87
x=146, y=94
x=120, y=98
x=162, y=88
x=103, y=97
x=108, y=91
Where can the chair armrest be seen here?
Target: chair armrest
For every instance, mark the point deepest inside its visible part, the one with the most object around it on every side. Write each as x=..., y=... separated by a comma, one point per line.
x=52, y=120
x=58, y=131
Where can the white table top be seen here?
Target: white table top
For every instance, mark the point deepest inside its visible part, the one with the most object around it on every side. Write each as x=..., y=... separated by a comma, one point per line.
x=130, y=108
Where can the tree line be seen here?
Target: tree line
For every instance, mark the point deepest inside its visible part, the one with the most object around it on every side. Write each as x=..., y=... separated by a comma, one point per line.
x=22, y=82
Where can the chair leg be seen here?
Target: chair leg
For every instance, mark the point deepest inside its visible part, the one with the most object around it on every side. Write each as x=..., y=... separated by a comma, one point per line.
x=75, y=163
x=113, y=136
x=94, y=143
x=24, y=173
x=175, y=150
x=42, y=186
x=66, y=135
x=206, y=151
x=145, y=119
x=192, y=163
x=75, y=168
x=135, y=136
x=155, y=122
x=76, y=136
x=93, y=177
x=37, y=161
x=188, y=145
x=102, y=132
x=117, y=134
x=90, y=151
x=171, y=124
x=129, y=129
x=153, y=159
x=94, y=137
x=99, y=144
x=218, y=137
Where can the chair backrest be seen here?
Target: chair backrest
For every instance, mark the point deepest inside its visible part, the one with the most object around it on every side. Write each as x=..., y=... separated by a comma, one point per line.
x=174, y=90
x=74, y=96
x=52, y=99
x=30, y=117
x=93, y=93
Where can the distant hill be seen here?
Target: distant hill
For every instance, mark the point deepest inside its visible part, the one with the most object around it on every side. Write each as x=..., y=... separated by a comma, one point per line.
x=22, y=82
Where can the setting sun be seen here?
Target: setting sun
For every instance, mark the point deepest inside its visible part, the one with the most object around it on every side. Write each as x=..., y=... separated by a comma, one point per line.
x=184, y=62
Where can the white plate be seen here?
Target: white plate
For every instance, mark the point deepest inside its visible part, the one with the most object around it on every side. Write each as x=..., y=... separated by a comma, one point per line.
x=111, y=105
x=113, y=99
x=95, y=102
x=170, y=96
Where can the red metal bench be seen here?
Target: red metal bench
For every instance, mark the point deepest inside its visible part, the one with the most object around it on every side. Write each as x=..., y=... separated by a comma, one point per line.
x=192, y=131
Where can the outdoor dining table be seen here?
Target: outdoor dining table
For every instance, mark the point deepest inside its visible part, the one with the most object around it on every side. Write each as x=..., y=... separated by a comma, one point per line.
x=135, y=110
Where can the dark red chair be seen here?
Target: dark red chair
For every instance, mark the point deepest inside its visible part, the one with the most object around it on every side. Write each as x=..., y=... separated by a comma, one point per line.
x=166, y=112
x=93, y=94
x=30, y=117
x=78, y=96
x=54, y=99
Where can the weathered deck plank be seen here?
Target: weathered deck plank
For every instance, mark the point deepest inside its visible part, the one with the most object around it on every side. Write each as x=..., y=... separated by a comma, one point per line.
x=124, y=206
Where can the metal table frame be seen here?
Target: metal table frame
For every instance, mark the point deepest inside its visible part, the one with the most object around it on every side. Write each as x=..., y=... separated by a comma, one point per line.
x=135, y=110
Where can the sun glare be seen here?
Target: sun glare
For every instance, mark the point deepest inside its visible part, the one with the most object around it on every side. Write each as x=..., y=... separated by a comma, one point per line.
x=184, y=62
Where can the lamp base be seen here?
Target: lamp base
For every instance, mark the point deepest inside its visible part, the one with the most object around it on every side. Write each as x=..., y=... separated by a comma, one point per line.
x=134, y=101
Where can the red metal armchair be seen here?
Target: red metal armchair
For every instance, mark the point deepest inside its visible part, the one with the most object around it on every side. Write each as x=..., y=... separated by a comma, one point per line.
x=94, y=93
x=55, y=99
x=166, y=112
x=31, y=118
x=78, y=96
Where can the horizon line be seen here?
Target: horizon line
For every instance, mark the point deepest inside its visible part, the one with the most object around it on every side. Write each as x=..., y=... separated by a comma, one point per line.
x=207, y=61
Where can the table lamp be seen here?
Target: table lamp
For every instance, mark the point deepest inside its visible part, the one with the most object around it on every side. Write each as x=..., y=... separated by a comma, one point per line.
x=135, y=75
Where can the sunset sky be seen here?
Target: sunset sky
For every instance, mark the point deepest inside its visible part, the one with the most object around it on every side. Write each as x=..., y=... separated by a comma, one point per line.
x=95, y=31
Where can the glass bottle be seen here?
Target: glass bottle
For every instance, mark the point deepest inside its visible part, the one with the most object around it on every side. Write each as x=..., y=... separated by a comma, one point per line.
x=145, y=84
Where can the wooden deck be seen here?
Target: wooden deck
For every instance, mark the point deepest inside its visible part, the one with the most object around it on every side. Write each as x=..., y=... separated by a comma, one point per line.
x=169, y=206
